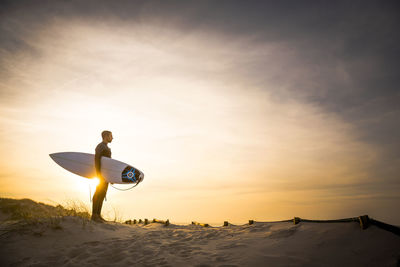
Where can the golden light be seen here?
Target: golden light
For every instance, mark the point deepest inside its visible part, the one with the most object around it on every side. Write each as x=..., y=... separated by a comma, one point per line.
x=87, y=185
x=94, y=182
x=162, y=111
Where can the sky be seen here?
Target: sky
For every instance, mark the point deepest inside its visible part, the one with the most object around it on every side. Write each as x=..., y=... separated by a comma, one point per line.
x=234, y=110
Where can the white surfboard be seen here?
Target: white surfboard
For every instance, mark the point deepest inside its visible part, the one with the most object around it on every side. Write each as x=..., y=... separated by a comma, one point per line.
x=113, y=171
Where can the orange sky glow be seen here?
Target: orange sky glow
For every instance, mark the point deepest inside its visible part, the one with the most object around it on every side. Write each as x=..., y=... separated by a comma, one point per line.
x=212, y=144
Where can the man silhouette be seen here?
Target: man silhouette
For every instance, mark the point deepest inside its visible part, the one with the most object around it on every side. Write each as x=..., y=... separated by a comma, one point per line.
x=102, y=150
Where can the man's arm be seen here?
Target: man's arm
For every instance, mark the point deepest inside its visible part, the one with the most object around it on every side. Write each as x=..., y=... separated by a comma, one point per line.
x=97, y=162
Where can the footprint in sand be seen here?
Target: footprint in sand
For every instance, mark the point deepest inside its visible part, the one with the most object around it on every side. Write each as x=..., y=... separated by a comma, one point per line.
x=221, y=258
x=231, y=245
x=260, y=229
x=282, y=233
x=74, y=252
x=93, y=243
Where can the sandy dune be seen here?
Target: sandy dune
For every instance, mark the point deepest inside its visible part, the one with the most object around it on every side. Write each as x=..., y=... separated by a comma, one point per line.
x=78, y=242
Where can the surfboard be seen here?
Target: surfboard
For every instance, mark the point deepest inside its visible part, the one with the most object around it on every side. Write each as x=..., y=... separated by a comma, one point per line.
x=113, y=171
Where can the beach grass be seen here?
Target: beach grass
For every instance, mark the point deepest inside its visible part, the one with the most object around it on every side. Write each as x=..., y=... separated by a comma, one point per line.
x=28, y=216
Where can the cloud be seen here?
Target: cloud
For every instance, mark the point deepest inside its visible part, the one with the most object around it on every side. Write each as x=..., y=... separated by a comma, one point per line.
x=326, y=72
x=341, y=56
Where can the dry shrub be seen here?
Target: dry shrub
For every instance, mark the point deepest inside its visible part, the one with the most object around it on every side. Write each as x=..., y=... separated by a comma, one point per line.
x=27, y=216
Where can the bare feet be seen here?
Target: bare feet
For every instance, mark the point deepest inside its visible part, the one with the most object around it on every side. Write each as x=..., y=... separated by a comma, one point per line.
x=98, y=218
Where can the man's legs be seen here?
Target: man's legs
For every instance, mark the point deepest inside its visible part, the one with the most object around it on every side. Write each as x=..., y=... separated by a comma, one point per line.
x=98, y=198
x=102, y=195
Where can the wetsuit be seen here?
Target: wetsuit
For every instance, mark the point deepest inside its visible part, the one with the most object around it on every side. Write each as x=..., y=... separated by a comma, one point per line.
x=102, y=150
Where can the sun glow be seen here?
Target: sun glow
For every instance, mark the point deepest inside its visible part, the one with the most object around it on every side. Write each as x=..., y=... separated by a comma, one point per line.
x=85, y=184
x=173, y=118
x=93, y=182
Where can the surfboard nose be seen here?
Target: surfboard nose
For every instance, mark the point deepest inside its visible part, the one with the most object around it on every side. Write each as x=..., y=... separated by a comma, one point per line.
x=53, y=156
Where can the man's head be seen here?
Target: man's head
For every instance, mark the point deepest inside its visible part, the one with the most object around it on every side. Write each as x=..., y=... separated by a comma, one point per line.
x=107, y=136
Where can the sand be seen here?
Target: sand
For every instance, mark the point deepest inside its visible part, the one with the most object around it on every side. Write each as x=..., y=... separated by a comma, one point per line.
x=73, y=241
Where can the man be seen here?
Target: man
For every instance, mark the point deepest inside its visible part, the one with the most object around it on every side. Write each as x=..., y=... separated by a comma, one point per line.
x=102, y=150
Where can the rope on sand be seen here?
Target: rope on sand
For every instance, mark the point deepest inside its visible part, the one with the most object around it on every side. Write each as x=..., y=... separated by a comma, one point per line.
x=146, y=221
x=201, y=224
x=166, y=223
x=363, y=220
x=388, y=227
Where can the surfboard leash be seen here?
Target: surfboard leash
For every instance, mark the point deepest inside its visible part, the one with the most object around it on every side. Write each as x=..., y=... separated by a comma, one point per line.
x=126, y=188
x=90, y=193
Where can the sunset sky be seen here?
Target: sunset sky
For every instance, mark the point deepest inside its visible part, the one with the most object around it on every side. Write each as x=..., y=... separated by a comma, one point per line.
x=234, y=110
